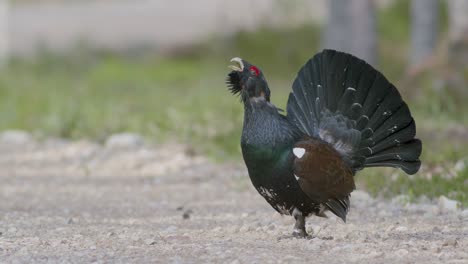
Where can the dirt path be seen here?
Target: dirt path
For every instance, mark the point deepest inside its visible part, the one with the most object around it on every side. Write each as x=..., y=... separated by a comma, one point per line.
x=80, y=202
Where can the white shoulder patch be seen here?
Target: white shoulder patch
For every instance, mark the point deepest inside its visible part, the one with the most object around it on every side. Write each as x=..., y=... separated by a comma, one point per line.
x=299, y=152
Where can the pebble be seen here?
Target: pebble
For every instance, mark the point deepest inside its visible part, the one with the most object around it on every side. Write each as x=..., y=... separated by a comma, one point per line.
x=390, y=228
x=186, y=214
x=356, y=235
x=402, y=199
x=360, y=197
x=436, y=229
x=401, y=229
x=171, y=229
x=450, y=242
x=447, y=205
x=217, y=229
x=464, y=213
x=124, y=140
x=245, y=228
x=150, y=241
x=15, y=137
x=401, y=252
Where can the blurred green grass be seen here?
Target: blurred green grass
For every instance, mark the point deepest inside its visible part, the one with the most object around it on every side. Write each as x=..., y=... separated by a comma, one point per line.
x=184, y=98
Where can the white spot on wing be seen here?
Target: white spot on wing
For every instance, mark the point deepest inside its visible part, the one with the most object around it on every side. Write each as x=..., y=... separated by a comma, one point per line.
x=283, y=209
x=267, y=193
x=295, y=176
x=299, y=152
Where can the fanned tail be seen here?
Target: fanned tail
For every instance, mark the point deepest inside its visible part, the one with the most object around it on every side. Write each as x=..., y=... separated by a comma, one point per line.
x=346, y=102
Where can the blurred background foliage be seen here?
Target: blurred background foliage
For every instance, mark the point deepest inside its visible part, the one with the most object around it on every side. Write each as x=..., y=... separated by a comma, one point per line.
x=179, y=95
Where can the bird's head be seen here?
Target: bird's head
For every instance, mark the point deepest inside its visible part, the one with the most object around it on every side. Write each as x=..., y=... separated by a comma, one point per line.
x=247, y=80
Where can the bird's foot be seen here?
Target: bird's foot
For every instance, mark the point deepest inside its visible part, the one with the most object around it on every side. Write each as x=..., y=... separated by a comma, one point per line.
x=296, y=234
x=292, y=236
x=299, y=233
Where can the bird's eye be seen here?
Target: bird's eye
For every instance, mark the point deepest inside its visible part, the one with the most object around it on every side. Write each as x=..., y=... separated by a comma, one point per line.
x=254, y=70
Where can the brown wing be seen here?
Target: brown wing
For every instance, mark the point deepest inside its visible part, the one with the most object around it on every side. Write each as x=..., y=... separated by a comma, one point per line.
x=323, y=174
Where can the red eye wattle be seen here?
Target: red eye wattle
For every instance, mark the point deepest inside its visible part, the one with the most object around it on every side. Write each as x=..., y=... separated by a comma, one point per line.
x=254, y=70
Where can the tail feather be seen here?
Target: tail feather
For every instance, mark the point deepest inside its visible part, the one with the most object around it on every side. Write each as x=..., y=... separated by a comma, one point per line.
x=335, y=75
x=409, y=167
x=366, y=80
x=376, y=94
x=349, y=104
x=339, y=207
x=390, y=140
x=407, y=151
x=389, y=105
x=348, y=98
x=401, y=120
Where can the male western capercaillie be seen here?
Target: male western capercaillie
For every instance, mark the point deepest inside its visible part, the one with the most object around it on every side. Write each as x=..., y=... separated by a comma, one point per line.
x=342, y=116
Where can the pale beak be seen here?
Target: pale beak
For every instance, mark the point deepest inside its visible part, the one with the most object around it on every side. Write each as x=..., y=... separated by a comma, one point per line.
x=238, y=64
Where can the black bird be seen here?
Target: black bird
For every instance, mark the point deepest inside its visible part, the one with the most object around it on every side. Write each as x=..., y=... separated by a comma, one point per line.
x=342, y=116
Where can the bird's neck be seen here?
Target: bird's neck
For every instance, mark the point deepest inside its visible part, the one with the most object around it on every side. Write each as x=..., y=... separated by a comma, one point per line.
x=266, y=132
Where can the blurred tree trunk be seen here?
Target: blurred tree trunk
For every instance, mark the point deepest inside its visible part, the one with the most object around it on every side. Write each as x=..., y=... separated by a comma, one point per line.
x=424, y=29
x=458, y=32
x=4, y=38
x=351, y=27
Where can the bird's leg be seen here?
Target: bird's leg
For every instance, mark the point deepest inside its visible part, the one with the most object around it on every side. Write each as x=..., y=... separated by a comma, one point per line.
x=299, y=227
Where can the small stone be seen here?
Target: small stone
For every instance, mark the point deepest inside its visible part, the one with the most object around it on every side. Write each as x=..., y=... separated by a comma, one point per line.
x=15, y=137
x=450, y=242
x=356, y=235
x=217, y=229
x=231, y=229
x=402, y=199
x=186, y=214
x=436, y=229
x=110, y=234
x=245, y=228
x=124, y=140
x=437, y=250
x=71, y=220
x=390, y=228
x=446, y=205
x=401, y=252
x=171, y=229
x=150, y=241
x=401, y=229
x=361, y=197
x=464, y=213
x=178, y=238
x=135, y=237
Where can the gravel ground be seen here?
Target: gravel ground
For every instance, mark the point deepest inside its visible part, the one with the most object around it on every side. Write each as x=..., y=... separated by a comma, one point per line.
x=129, y=202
